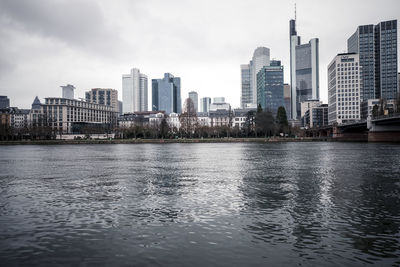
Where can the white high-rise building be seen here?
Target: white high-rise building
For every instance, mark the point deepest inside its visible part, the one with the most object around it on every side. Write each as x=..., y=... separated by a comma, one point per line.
x=249, y=76
x=344, y=87
x=68, y=91
x=205, y=103
x=134, y=92
x=195, y=98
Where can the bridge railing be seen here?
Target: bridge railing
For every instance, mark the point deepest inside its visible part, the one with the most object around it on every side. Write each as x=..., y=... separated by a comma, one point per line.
x=352, y=123
x=381, y=117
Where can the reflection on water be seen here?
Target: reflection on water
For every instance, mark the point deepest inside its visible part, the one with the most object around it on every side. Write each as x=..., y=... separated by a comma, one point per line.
x=200, y=204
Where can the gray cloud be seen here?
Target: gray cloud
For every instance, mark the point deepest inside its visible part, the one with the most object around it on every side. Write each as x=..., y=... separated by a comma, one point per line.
x=46, y=43
x=80, y=24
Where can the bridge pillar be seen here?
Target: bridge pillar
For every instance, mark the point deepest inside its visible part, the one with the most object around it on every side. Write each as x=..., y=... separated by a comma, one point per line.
x=384, y=136
x=384, y=129
x=351, y=134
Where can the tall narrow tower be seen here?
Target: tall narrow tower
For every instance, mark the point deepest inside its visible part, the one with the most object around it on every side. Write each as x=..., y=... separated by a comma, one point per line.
x=294, y=41
x=304, y=70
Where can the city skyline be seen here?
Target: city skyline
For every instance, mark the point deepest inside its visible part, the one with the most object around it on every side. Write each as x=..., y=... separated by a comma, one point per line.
x=49, y=50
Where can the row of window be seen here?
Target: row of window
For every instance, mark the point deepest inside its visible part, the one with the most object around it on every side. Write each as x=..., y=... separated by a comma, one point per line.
x=349, y=117
x=345, y=78
x=348, y=107
x=345, y=64
x=74, y=103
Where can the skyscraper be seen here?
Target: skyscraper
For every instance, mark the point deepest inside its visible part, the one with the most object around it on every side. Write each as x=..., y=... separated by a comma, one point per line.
x=304, y=70
x=134, y=91
x=167, y=94
x=260, y=59
x=270, y=87
x=249, y=76
x=195, y=98
x=205, y=104
x=377, y=47
x=246, y=94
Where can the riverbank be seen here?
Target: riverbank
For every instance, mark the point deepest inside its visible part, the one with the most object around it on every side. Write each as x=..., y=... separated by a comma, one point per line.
x=162, y=141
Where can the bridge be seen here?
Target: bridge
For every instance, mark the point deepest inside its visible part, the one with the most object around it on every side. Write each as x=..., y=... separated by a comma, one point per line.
x=377, y=129
x=384, y=128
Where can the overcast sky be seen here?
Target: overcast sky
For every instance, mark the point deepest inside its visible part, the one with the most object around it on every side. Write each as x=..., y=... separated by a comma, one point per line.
x=90, y=44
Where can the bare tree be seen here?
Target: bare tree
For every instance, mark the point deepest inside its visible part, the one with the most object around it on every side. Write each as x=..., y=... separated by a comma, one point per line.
x=188, y=118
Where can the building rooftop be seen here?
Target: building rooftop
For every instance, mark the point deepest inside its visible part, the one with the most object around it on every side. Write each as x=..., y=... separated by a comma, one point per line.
x=346, y=54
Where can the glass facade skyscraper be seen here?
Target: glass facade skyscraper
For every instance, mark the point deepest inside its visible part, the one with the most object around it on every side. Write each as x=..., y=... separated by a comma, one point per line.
x=249, y=76
x=386, y=52
x=377, y=47
x=167, y=94
x=304, y=70
x=195, y=98
x=362, y=43
x=246, y=94
x=270, y=87
x=259, y=60
x=205, y=103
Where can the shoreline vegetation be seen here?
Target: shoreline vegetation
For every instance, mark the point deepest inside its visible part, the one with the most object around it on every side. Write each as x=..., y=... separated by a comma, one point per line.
x=167, y=141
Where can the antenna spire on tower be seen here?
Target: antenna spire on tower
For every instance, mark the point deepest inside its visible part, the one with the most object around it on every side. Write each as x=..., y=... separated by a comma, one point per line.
x=295, y=18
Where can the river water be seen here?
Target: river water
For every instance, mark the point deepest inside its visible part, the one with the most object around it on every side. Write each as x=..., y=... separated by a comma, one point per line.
x=283, y=204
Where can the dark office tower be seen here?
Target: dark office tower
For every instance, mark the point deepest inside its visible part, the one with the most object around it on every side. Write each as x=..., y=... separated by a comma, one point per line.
x=377, y=47
x=386, y=55
x=270, y=87
x=294, y=41
x=4, y=101
x=167, y=94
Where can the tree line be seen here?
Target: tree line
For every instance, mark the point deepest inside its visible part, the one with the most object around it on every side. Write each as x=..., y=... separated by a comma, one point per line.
x=258, y=123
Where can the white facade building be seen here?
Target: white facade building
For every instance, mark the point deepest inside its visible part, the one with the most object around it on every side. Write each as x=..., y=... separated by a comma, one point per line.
x=173, y=121
x=344, y=87
x=219, y=103
x=156, y=119
x=203, y=119
x=66, y=116
x=239, y=121
x=68, y=91
x=19, y=118
x=134, y=91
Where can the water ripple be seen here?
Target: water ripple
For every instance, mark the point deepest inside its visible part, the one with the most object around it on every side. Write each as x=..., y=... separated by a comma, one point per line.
x=322, y=204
